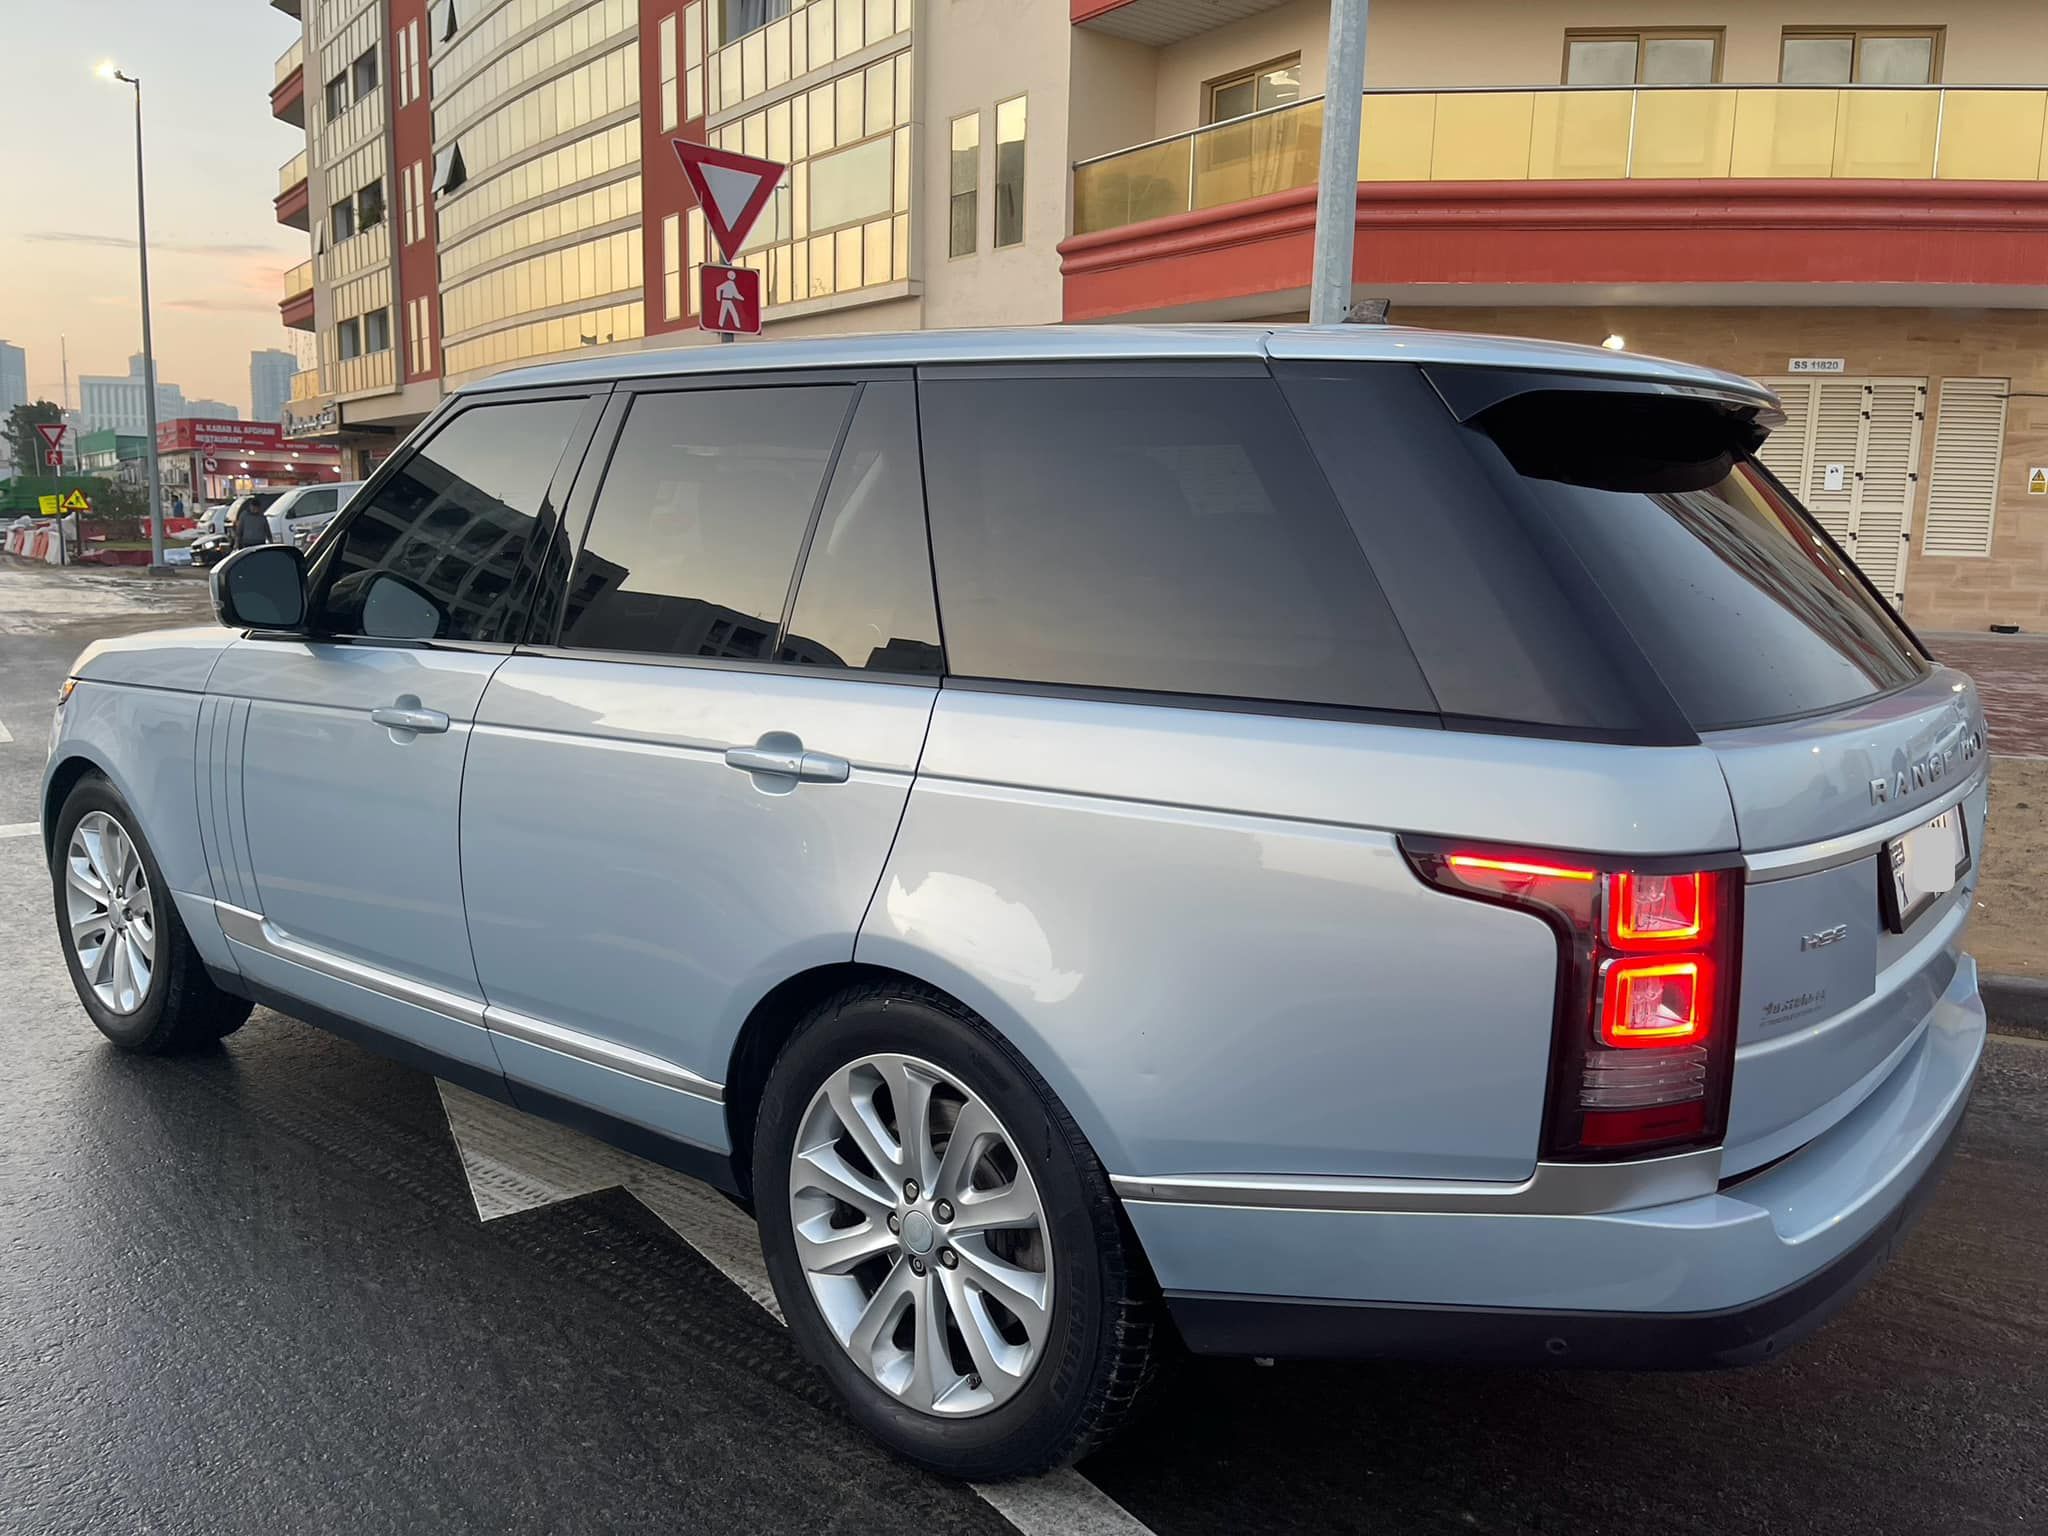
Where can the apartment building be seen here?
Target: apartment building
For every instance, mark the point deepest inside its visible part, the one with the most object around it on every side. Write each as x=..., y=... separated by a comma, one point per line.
x=1847, y=199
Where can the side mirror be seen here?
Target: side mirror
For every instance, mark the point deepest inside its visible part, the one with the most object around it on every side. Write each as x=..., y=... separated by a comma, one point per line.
x=262, y=587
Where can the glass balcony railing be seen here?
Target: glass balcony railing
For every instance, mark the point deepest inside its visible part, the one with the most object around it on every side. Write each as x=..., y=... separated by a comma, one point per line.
x=299, y=280
x=1565, y=133
x=291, y=59
x=291, y=173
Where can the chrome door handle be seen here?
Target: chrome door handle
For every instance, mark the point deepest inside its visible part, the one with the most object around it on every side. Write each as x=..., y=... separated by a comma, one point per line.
x=789, y=762
x=398, y=718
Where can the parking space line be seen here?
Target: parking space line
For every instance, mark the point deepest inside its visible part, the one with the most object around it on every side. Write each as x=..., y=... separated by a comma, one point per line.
x=515, y=1162
x=19, y=828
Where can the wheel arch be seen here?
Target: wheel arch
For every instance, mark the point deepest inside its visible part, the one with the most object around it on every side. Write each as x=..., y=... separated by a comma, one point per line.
x=772, y=1020
x=63, y=776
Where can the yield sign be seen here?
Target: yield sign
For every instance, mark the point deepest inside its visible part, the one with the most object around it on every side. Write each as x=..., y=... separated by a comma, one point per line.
x=52, y=434
x=731, y=189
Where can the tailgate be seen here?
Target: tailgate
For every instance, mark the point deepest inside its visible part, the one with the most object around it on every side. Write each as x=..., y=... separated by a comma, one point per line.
x=1832, y=995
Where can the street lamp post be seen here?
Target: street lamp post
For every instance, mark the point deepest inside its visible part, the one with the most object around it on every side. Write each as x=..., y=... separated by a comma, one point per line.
x=156, y=484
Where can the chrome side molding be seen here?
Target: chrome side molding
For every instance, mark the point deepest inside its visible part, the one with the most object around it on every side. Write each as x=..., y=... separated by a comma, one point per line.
x=254, y=931
x=1554, y=1189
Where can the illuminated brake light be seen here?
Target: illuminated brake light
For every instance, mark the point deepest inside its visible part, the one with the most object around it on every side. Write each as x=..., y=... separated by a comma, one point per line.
x=1657, y=909
x=1655, y=1002
x=1643, y=1043
x=1477, y=864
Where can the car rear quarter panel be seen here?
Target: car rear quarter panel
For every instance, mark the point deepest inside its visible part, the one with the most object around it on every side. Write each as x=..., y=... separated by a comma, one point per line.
x=1199, y=927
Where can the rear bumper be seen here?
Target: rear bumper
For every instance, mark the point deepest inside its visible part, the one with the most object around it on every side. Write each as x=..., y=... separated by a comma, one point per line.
x=1718, y=1279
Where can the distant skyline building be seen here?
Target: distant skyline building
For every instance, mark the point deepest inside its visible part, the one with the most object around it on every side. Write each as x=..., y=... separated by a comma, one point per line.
x=109, y=402
x=13, y=386
x=270, y=383
x=212, y=410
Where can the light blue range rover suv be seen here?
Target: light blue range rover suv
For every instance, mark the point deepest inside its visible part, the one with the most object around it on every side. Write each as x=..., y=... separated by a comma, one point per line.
x=1322, y=842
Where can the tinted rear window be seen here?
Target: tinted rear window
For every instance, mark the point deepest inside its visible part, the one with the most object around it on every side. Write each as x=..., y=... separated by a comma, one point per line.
x=1606, y=562
x=1745, y=608
x=1168, y=534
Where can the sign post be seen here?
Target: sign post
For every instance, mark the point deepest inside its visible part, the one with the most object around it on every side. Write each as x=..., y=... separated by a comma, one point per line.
x=732, y=190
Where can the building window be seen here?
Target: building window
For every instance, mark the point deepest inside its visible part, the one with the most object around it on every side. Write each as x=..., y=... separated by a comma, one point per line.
x=337, y=96
x=364, y=71
x=1861, y=56
x=666, y=32
x=1010, y=172
x=412, y=62
x=744, y=16
x=370, y=205
x=1653, y=56
x=671, y=266
x=693, y=60
x=348, y=340
x=377, y=331
x=1252, y=90
x=964, y=185
x=398, y=71
x=851, y=185
x=342, y=216
x=449, y=171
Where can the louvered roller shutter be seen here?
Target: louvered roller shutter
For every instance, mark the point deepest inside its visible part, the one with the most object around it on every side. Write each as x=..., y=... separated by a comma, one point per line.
x=1969, y=442
x=1886, y=479
x=1788, y=450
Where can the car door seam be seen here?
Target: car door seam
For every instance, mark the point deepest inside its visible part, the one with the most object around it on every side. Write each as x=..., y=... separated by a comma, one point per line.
x=889, y=854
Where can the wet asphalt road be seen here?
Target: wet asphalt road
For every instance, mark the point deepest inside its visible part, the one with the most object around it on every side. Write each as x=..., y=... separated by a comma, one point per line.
x=248, y=1292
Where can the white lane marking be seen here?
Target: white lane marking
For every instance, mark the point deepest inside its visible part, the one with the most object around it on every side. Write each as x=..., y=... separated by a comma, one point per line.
x=5, y=735
x=515, y=1162
x=19, y=828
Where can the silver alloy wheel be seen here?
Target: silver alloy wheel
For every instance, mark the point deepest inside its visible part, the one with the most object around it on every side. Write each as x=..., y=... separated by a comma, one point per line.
x=110, y=919
x=922, y=1235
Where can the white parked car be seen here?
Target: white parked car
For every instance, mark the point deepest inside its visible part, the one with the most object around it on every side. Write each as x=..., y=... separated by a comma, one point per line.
x=307, y=509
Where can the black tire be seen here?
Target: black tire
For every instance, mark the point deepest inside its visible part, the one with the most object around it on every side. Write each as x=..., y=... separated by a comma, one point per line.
x=1099, y=1355
x=182, y=1009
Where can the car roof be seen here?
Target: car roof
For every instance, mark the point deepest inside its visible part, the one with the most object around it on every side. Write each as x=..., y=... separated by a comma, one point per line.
x=1079, y=343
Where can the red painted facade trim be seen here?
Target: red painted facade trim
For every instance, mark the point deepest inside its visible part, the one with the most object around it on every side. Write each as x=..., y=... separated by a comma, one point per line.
x=293, y=204
x=663, y=190
x=1088, y=10
x=418, y=260
x=1828, y=231
x=291, y=90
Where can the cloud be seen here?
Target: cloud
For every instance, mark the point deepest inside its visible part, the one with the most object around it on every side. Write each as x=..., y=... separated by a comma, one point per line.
x=219, y=305
x=179, y=247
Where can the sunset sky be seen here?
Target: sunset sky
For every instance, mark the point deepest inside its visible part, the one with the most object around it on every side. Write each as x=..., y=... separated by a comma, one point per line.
x=67, y=224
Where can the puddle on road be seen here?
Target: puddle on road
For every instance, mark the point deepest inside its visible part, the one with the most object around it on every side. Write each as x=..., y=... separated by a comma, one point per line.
x=34, y=601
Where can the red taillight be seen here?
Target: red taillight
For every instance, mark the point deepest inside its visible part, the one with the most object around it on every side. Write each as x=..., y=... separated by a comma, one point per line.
x=1644, y=1042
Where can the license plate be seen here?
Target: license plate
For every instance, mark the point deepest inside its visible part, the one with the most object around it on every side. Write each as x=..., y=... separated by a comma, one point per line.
x=1922, y=866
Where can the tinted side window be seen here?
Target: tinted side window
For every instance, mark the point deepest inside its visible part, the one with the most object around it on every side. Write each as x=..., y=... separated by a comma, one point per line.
x=437, y=553
x=865, y=598
x=1170, y=534
x=448, y=530
x=696, y=532
x=1503, y=617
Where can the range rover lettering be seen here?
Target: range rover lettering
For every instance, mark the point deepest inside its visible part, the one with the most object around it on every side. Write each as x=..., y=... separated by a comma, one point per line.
x=1318, y=842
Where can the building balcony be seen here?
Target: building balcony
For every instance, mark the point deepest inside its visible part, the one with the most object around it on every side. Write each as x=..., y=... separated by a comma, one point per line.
x=306, y=384
x=288, y=85
x=1705, y=184
x=293, y=204
x=289, y=7
x=296, y=306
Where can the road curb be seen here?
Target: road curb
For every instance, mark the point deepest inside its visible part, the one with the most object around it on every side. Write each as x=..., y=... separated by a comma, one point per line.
x=2018, y=1005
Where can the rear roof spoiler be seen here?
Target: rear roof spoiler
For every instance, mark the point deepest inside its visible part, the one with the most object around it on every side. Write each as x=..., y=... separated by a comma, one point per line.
x=1470, y=391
